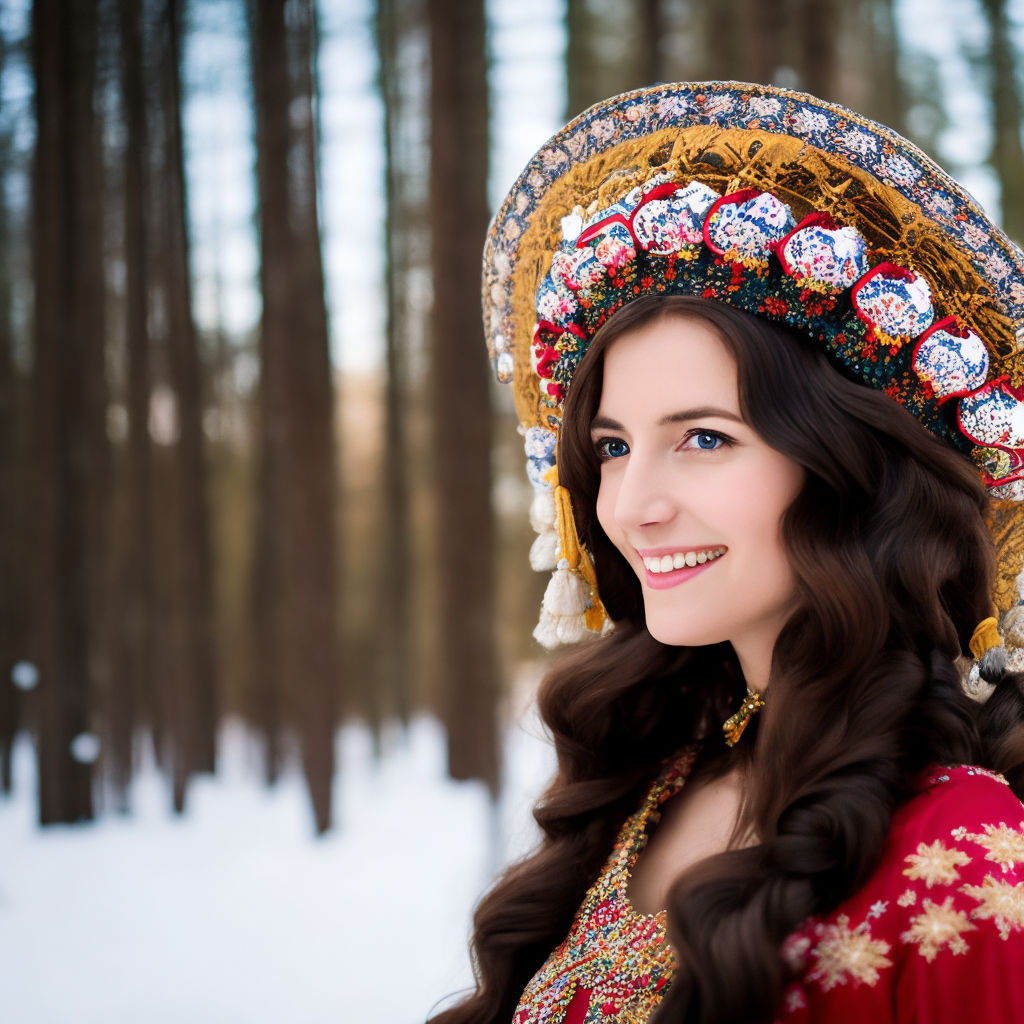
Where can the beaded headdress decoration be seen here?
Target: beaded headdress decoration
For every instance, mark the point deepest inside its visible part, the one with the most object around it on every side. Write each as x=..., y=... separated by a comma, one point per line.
x=785, y=207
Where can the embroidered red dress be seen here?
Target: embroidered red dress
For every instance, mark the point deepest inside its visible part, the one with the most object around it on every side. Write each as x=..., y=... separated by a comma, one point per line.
x=936, y=936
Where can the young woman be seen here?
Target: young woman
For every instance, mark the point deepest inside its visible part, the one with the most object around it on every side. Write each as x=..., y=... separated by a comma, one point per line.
x=775, y=354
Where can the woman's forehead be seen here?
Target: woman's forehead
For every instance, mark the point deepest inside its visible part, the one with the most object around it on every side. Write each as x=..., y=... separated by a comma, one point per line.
x=666, y=366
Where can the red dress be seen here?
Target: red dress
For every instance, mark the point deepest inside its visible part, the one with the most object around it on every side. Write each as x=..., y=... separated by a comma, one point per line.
x=936, y=936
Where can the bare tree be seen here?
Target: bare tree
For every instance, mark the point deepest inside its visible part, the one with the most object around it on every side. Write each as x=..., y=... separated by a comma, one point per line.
x=298, y=467
x=189, y=688
x=1007, y=112
x=652, y=49
x=69, y=398
x=133, y=669
x=14, y=568
x=460, y=385
x=393, y=618
x=819, y=22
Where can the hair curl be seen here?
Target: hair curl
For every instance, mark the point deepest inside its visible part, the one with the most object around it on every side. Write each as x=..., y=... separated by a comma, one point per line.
x=893, y=567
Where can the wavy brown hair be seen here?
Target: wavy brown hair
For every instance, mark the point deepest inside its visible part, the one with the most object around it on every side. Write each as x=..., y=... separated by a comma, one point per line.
x=893, y=567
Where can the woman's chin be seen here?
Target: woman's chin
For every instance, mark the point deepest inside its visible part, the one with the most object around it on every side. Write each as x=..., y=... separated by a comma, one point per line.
x=674, y=634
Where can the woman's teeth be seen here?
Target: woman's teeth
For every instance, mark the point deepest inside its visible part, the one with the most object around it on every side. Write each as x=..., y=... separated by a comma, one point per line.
x=682, y=559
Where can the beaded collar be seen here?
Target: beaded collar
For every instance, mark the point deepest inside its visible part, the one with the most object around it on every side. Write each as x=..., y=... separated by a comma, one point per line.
x=615, y=963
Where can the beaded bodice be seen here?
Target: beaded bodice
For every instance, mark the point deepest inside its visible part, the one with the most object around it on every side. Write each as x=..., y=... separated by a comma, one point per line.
x=615, y=963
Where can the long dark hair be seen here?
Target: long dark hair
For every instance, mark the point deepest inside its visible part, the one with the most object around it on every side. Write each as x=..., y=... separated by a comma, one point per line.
x=894, y=566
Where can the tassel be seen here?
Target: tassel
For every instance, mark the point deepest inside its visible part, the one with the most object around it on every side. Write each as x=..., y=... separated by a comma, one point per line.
x=571, y=629
x=544, y=551
x=576, y=555
x=986, y=636
x=546, y=631
x=566, y=593
x=542, y=510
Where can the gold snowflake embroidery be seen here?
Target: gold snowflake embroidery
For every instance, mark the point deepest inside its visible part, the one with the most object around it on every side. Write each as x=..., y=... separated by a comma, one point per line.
x=1000, y=902
x=935, y=864
x=936, y=926
x=1005, y=845
x=907, y=899
x=959, y=833
x=846, y=953
x=878, y=908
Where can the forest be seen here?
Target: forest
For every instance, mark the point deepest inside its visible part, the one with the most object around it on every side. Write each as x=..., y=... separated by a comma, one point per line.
x=253, y=461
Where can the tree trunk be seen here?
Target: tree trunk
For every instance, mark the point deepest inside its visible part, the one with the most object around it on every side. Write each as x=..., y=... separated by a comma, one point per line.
x=130, y=702
x=819, y=50
x=460, y=386
x=14, y=568
x=763, y=32
x=270, y=88
x=296, y=388
x=69, y=398
x=393, y=618
x=652, y=48
x=887, y=93
x=1007, y=109
x=193, y=700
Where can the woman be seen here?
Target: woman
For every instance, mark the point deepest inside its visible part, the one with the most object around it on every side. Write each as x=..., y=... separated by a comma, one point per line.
x=776, y=349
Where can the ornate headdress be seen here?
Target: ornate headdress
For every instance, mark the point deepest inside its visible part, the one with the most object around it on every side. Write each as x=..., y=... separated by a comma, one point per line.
x=788, y=208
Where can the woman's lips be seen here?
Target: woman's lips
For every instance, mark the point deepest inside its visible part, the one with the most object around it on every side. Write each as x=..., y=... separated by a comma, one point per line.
x=674, y=577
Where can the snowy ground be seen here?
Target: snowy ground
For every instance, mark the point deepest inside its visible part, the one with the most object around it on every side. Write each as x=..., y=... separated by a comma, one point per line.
x=234, y=913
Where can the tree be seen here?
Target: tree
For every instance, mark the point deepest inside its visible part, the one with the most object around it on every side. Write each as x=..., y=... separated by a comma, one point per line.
x=296, y=559
x=189, y=687
x=14, y=568
x=69, y=398
x=1007, y=112
x=134, y=668
x=393, y=620
x=460, y=388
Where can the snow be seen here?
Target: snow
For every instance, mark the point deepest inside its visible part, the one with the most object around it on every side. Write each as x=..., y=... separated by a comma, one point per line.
x=234, y=912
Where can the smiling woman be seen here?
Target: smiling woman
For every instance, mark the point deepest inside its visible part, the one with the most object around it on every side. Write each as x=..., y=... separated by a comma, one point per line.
x=677, y=488
x=772, y=404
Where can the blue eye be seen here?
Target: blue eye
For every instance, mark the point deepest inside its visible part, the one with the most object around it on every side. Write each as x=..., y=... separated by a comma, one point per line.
x=706, y=440
x=611, y=448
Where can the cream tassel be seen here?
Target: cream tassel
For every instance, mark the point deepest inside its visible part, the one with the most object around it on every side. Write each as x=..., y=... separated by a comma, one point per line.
x=566, y=593
x=544, y=551
x=552, y=631
x=546, y=631
x=542, y=510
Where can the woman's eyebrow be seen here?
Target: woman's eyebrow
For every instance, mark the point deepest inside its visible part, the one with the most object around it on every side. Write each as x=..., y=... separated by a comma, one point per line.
x=702, y=412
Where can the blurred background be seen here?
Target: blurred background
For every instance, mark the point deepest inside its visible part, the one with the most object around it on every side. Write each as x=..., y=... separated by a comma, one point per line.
x=265, y=604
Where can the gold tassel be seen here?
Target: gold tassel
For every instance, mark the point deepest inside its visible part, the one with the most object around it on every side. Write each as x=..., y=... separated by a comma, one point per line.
x=986, y=636
x=574, y=553
x=734, y=726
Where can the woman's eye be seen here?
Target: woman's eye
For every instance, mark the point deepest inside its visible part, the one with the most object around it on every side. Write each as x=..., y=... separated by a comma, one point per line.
x=705, y=440
x=611, y=448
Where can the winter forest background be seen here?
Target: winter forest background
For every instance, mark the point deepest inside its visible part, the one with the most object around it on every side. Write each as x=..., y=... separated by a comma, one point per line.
x=263, y=525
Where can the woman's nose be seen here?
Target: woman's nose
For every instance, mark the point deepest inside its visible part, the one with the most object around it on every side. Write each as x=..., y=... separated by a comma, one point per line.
x=643, y=498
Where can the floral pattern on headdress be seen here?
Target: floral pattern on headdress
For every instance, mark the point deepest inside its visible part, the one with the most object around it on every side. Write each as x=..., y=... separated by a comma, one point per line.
x=746, y=249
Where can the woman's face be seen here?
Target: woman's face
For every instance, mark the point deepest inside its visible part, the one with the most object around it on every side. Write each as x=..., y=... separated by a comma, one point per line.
x=690, y=495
